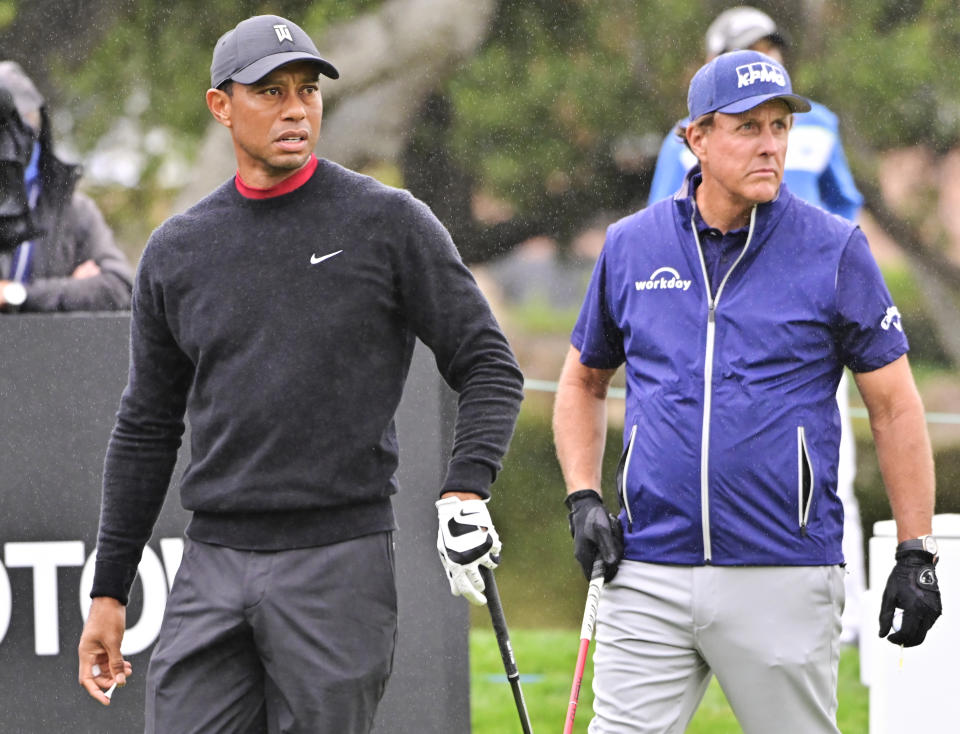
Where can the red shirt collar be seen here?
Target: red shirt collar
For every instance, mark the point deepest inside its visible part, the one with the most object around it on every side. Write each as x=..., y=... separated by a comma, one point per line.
x=295, y=181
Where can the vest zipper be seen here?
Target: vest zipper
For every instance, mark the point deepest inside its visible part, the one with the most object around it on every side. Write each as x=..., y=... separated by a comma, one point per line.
x=712, y=301
x=805, y=482
x=623, y=468
x=705, y=433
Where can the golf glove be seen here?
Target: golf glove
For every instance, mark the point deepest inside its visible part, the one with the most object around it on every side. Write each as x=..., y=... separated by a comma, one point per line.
x=466, y=540
x=595, y=533
x=912, y=587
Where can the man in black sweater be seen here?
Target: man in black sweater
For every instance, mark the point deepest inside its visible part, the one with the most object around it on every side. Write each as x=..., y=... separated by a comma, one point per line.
x=280, y=313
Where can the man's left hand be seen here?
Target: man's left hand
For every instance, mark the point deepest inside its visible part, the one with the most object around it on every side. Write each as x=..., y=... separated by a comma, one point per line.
x=912, y=587
x=466, y=540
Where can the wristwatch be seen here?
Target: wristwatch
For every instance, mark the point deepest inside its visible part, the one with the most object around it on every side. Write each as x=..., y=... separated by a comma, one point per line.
x=14, y=293
x=925, y=543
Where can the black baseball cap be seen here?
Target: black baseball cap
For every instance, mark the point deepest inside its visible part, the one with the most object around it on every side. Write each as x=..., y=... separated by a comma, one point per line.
x=260, y=44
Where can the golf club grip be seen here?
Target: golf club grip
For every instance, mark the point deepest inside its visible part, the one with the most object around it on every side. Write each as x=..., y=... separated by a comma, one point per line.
x=503, y=642
x=593, y=601
x=499, y=622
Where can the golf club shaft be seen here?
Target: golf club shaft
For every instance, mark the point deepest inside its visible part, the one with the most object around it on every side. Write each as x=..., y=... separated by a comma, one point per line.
x=506, y=649
x=586, y=634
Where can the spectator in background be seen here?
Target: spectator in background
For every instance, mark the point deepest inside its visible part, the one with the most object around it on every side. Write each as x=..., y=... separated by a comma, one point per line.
x=815, y=170
x=56, y=251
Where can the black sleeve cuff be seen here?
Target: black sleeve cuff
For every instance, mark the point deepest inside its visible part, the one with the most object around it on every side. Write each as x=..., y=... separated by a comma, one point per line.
x=464, y=476
x=113, y=580
x=582, y=494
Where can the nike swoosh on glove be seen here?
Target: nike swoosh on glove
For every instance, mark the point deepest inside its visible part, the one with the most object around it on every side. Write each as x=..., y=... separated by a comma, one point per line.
x=466, y=540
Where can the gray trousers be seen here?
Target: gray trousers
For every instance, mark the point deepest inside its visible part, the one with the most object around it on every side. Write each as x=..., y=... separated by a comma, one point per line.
x=265, y=642
x=769, y=634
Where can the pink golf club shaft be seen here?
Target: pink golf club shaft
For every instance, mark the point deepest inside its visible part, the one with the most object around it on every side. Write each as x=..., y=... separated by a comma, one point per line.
x=586, y=634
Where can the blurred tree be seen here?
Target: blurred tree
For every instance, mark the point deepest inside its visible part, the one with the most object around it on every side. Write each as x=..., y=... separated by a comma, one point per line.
x=890, y=70
x=562, y=112
x=390, y=59
x=159, y=51
x=35, y=32
x=432, y=174
x=126, y=81
x=890, y=66
x=556, y=117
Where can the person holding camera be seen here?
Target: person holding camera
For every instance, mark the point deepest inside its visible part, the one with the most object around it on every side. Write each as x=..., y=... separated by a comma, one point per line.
x=57, y=252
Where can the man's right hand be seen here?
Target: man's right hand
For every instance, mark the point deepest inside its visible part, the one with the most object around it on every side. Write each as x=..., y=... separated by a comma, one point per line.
x=100, y=647
x=596, y=533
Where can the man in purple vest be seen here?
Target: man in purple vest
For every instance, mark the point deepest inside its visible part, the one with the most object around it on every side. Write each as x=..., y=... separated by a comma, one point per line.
x=816, y=170
x=734, y=307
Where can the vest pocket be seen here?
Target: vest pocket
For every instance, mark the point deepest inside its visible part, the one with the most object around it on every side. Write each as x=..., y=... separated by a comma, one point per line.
x=805, y=482
x=623, y=468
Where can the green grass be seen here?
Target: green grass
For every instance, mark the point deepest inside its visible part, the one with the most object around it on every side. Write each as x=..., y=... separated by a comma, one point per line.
x=546, y=659
x=536, y=316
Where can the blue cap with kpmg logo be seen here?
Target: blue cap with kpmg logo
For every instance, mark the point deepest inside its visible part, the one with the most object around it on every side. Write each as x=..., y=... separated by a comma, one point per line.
x=739, y=81
x=259, y=45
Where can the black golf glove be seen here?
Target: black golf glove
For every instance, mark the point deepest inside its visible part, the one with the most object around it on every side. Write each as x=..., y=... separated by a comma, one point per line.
x=912, y=587
x=595, y=533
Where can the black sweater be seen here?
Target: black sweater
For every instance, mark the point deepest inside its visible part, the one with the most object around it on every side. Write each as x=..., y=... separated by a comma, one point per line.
x=285, y=328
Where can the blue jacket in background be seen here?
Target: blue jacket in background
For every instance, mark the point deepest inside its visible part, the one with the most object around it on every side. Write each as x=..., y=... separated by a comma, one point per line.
x=815, y=169
x=731, y=429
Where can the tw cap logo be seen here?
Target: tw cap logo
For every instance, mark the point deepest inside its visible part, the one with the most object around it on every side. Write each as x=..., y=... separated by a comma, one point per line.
x=260, y=44
x=760, y=71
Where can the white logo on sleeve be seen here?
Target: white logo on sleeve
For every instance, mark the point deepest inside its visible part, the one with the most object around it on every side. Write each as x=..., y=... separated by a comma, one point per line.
x=759, y=71
x=315, y=259
x=663, y=279
x=892, y=318
x=283, y=32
